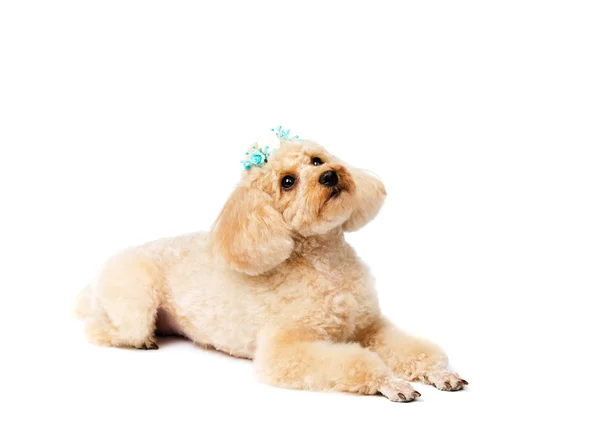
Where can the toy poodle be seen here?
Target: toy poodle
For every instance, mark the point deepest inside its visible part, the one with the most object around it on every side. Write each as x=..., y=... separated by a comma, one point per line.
x=273, y=281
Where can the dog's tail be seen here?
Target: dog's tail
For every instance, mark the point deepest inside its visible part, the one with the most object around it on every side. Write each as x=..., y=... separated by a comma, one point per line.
x=83, y=303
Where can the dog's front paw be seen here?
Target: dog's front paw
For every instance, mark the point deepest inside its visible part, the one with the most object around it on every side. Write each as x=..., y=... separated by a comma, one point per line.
x=446, y=381
x=398, y=391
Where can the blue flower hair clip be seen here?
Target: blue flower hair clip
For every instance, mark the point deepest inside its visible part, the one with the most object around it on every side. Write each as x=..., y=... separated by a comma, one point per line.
x=256, y=156
x=259, y=152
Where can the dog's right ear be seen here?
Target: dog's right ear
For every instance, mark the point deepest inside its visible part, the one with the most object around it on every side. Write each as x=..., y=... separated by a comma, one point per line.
x=368, y=198
x=250, y=234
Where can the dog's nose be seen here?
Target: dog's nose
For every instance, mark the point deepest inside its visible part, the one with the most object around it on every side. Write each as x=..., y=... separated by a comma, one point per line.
x=329, y=178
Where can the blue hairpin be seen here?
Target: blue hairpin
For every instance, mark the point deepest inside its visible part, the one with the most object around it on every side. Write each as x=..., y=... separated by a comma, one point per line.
x=258, y=156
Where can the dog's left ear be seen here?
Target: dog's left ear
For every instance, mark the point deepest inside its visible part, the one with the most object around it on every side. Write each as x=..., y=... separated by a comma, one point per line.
x=369, y=196
x=250, y=234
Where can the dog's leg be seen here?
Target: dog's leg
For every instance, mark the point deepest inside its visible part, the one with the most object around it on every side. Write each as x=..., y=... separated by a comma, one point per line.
x=409, y=357
x=295, y=360
x=126, y=301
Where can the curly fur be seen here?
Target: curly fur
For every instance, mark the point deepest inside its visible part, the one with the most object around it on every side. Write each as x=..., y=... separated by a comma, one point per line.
x=273, y=281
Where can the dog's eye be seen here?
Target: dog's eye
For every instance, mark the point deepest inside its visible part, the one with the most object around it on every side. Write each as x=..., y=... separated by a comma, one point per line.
x=317, y=161
x=288, y=182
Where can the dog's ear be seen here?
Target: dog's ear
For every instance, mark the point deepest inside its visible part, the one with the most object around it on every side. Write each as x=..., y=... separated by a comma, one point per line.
x=250, y=234
x=369, y=196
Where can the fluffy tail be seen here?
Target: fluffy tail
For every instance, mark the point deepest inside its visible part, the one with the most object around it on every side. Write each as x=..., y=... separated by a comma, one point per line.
x=83, y=303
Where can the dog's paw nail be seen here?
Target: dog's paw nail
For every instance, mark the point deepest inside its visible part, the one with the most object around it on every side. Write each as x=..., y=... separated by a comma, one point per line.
x=401, y=396
x=448, y=386
x=416, y=394
x=434, y=385
x=464, y=382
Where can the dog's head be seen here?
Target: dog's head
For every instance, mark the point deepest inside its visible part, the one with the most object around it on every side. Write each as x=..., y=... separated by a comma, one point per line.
x=301, y=191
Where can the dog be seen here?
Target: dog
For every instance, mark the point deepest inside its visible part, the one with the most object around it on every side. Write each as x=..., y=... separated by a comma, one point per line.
x=273, y=281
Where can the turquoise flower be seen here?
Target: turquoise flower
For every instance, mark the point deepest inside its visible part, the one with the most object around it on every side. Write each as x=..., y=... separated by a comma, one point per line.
x=246, y=164
x=258, y=158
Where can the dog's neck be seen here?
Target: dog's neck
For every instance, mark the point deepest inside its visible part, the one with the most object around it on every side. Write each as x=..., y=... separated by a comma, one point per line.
x=322, y=251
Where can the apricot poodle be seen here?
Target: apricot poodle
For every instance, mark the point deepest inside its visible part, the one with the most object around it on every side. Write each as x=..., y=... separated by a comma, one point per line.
x=274, y=281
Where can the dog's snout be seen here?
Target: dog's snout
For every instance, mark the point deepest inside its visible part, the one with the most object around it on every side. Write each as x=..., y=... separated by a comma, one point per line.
x=329, y=178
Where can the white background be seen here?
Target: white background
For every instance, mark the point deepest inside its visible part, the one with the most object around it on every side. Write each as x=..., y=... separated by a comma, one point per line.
x=124, y=121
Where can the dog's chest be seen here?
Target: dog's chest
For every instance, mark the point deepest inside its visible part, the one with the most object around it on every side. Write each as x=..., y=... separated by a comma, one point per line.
x=342, y=299
x=338, y=316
